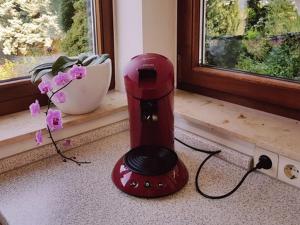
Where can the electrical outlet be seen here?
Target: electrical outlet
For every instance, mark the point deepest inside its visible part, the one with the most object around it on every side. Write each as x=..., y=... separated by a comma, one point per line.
x=289, y=171
x=273, y=156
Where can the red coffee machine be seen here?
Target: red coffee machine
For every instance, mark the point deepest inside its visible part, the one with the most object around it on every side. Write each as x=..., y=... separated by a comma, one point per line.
x=151, y=168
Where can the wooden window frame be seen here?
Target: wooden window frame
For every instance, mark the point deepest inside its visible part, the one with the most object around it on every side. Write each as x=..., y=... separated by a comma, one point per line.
x=260, y=92
x=17, y=94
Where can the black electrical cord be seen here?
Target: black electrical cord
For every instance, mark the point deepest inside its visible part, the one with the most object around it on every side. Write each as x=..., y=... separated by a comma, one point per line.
x=263, y=162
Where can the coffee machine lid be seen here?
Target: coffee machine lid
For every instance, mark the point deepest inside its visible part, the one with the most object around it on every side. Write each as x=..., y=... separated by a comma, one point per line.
x=149, y=76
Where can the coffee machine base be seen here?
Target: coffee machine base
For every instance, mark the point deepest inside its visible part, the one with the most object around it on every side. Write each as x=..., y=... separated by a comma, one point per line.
x=149, y=172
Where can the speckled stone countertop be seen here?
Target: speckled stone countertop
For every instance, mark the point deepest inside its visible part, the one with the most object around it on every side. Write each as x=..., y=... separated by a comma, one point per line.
x=50, y=192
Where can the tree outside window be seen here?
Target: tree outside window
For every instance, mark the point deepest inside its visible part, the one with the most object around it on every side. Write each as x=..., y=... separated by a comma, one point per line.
x=33, y=32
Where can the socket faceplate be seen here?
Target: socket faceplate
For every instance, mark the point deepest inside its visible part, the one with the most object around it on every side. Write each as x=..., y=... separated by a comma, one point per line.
x=274, y=157
x=289, y=171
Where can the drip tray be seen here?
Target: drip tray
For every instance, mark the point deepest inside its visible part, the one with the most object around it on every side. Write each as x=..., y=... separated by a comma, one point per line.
x=151, y=160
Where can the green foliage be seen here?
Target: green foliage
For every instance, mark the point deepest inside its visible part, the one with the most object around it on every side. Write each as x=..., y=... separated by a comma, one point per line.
x=76, y=39
x=279, y=57
x=282, y=60
x=255, y=44
x=282, y=63
x=252, y=34
x=270, y=45
x=256, y=15
x=222, y=17
x=7, y=70
x=282, y=18
x=276, y=17
x=246, y=63
x=66, y=14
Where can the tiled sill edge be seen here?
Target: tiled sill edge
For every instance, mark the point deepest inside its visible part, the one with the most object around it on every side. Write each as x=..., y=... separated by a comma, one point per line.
x=275, y=133
x=47, y=150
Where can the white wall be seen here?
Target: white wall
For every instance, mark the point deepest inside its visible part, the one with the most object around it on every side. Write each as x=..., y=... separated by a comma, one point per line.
x=160, y=28
x=142, y=26
x=128, y=35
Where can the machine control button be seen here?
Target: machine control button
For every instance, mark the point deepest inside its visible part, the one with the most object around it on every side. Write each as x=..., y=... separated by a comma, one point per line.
x=147, y=184
x=123, y=168
x=160, y=185
x=134, y=184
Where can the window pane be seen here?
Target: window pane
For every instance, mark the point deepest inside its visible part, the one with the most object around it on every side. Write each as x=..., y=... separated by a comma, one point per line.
x=38, y=31
x=258, y=36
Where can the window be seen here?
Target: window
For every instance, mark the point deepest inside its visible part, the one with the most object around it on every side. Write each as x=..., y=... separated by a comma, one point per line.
x=34, y=32
x=257, y=36
x=242, y=51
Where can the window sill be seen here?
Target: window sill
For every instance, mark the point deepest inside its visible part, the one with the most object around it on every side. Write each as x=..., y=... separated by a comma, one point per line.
x=237, y=123
x=234, y=123
x=19, y=129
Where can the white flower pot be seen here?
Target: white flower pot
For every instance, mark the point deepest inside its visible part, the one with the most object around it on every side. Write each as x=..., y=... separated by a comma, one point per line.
x=86, y=94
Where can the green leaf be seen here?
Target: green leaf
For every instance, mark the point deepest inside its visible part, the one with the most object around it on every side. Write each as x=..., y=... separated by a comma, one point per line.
x=44, y=65
x=60, y=63
x=82, y=57
x=89, y=59
x=103, y=58
x=38, y=70
x=67, y=65
x=38, y=75
x=97, y=60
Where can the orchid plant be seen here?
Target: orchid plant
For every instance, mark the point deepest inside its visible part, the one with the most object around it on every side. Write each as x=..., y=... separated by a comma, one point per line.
x=63, y=62
x=53, y=116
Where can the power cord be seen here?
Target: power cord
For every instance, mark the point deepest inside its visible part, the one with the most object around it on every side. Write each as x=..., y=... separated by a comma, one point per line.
x=264, y=162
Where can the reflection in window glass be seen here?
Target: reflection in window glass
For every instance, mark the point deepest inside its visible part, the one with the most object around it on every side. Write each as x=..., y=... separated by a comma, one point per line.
x=34, y=32
x=258, y=36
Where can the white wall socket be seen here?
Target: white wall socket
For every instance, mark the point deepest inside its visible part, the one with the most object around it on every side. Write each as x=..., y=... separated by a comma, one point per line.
x=273, y=156
x=289, y=171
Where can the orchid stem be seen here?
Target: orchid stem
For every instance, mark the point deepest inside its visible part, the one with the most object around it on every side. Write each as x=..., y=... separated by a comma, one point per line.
x=65, y=158
x=54, y=92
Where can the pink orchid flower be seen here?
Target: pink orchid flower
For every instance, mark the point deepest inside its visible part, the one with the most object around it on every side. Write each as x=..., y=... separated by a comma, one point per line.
x=45, y=87
x=35, y=108
x=62, y=79
x=60, y=97
x=39, y=137
x=54, y=120
x=77, y=72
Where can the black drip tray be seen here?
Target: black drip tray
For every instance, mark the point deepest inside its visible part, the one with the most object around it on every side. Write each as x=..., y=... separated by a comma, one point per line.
x=151, y=160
